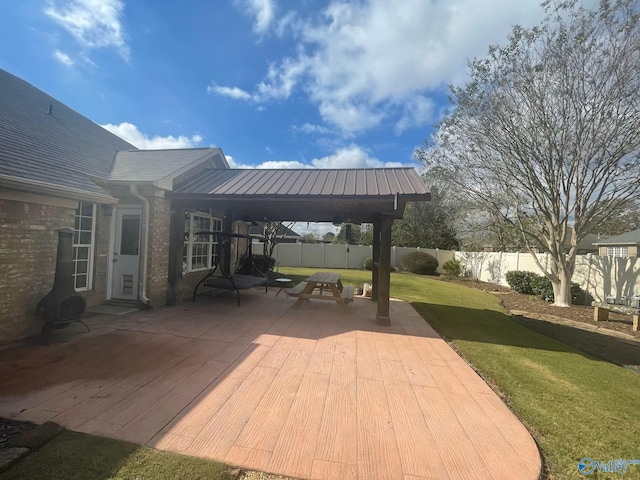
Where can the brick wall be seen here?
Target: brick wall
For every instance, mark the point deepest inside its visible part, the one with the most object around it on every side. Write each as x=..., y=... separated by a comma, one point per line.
x=28, y=246
x=158, y=243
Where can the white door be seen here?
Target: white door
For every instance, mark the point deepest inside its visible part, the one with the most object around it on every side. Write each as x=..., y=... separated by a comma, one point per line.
x=126, y=254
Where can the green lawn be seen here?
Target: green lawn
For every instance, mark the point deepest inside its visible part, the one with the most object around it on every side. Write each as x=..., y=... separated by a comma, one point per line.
x=576, y=406
x=76, y=456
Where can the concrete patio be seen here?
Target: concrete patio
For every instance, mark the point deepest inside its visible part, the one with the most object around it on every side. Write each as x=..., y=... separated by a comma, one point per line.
x=306, y=393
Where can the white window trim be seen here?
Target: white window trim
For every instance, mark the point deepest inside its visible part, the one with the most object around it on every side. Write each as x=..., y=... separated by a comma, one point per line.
x=188, y=267
x=618, y=252
x=91, y=246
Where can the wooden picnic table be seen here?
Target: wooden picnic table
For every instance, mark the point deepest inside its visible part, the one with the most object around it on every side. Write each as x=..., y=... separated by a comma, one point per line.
x=317, y=284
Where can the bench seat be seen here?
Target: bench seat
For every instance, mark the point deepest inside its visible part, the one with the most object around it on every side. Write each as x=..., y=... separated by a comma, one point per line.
x=601, y=312
x=241, y=282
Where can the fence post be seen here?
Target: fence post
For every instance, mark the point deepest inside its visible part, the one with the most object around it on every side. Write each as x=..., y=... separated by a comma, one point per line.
x=394, y=254
x=299, y=254
x=322, y=255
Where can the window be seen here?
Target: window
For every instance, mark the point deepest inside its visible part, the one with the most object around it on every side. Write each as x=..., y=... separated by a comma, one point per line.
x=200, y=251
x=83, y=244
x=618, y=251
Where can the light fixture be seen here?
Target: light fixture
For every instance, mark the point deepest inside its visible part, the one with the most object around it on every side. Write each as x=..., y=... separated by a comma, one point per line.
x=337, y=221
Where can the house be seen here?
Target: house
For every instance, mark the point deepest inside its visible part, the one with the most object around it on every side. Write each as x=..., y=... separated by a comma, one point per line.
x=137, y=213
x=625, y=245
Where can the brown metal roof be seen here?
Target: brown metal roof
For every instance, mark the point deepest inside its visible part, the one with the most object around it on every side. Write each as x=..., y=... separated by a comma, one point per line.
x=306, y=182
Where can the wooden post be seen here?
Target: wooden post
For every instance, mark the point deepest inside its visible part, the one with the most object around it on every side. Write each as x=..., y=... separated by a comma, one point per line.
x=384, y=271
x=176, y=252
x=227, y=227
x=375, y=254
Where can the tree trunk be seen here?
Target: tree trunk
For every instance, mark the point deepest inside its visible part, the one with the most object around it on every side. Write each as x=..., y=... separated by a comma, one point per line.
x=562, y=289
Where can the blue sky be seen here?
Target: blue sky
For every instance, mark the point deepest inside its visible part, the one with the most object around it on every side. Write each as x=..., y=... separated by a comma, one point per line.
x=274, y=83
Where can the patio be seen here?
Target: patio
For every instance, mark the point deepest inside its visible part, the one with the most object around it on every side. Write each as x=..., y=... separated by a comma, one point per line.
x=306, y=393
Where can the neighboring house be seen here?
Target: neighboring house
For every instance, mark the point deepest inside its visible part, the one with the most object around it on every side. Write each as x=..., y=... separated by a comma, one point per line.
x=588, y=243
x=625, y=245
x=137, y=213
x=284, y=234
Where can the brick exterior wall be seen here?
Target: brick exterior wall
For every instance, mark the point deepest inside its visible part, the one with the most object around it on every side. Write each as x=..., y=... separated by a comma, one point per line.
x=158, y=244
x=28, y=247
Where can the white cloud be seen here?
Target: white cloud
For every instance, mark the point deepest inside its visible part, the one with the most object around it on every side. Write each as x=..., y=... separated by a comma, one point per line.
x=232, y=92
x=133, y=135
x=417, y=110
x=94, y=23
x=310, y=128
x=366, y=62
x=351, y=157
x=63, y=58
x=262, y=11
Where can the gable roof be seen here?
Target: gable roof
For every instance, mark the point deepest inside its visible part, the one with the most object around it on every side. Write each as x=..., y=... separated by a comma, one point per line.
x=162, y=167
x=629, y=238
x=357, y=195
x=307, y=182
x=47, y=146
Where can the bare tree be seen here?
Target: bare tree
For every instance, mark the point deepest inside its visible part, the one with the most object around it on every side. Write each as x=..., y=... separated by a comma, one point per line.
x=273, y=232
x=547, y=130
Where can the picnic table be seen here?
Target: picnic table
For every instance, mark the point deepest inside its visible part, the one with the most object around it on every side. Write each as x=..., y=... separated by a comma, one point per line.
x=323, y=286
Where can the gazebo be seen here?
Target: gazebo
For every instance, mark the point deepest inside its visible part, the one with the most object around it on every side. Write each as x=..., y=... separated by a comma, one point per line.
x=376, y=196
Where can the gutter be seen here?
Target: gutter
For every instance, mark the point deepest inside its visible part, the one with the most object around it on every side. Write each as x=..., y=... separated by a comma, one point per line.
x=44, y=188
x=145, y=244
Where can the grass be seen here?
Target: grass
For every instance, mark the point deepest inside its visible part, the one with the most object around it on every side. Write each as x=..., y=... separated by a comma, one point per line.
x=574, y=405
x=77, y=456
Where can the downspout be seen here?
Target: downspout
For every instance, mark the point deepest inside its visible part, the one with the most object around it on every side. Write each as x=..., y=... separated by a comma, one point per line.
x=145, y=244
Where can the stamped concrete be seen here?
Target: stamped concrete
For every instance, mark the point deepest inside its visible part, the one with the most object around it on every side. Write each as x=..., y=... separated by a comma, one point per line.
x=306, y=393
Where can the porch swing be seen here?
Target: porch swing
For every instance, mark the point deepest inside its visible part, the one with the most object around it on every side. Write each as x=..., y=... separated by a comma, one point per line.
x=224, y=280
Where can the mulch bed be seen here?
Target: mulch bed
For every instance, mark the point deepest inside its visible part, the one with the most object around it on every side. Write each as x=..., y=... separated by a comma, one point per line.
x=10, y=429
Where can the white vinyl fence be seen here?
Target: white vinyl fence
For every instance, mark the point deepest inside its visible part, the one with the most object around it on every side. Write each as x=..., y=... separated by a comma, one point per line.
x=599, y=276
x=321, y=255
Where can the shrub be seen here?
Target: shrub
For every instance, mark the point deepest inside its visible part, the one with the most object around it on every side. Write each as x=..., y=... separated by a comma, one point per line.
x=542, y=287
x=419, y=262
x=521, y=282
x=452, y=268
x=262, y=263
x=368, y=263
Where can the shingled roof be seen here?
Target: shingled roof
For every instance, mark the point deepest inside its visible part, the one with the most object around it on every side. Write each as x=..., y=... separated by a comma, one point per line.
x=46, y=145
x=163, y=167
x=628, y=238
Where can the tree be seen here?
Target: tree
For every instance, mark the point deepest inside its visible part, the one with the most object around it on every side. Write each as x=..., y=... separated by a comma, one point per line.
x=359, y=235
x=273, y=232
x=311, y=237
x=427, y=224
x=546, y=131
x=622, y=221
x=329, y=237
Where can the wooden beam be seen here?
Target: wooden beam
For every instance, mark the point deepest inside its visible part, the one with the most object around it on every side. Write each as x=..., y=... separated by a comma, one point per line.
x=227, y=227
x=176, y=252
x=376, y=260
x=384, y=271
